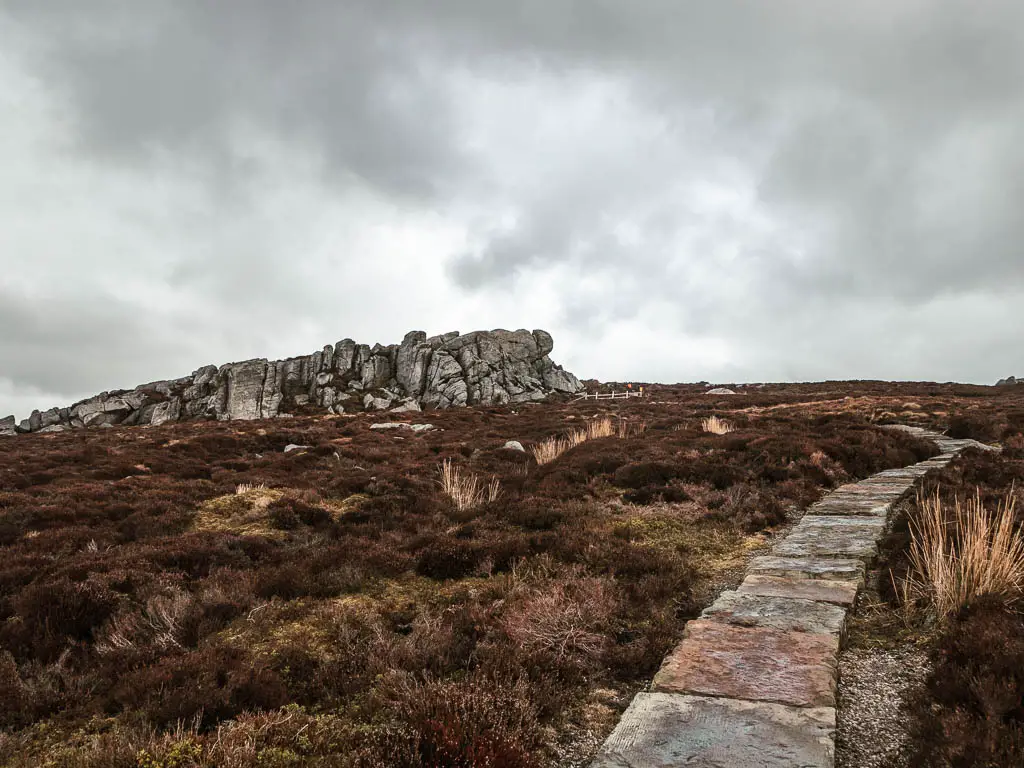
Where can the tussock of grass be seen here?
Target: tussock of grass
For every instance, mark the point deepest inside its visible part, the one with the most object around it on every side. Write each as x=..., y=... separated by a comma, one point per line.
x=626, y=429
x=548, y=450
x=716, y=426
x=954, y=562
x=465, y=489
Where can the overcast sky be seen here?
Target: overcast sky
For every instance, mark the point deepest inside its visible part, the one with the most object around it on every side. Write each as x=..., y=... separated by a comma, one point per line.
x=678, y=191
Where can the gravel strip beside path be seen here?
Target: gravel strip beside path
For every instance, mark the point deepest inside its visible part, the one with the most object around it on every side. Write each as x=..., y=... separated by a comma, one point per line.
x=874, y=685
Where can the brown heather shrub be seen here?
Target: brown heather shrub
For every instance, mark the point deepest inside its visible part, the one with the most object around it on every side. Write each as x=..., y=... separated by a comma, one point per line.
x=750, y=508
x=470, y=723
x=14, y=698
x=160, y=623
x=566, y=618
x=531, y=513
x=645, y=474
x=971, y=711
x=208, y=685
x=650, y=494
x=448, y=558
x=974, y=426
x=52, y=615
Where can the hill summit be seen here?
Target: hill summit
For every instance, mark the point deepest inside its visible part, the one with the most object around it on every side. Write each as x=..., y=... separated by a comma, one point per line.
x=482, y=367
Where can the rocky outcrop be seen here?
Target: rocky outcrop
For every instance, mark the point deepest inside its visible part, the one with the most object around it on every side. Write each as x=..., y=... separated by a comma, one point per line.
x=1009, y=381
x=483, y=367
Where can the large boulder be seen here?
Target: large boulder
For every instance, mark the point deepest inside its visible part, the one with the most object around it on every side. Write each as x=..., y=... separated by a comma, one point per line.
x=1009, y=381
x=8, y=425
x=243, y=386
x=495, y=367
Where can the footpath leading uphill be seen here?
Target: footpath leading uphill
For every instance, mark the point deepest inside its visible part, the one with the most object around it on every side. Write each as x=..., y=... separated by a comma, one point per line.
x=753, y=681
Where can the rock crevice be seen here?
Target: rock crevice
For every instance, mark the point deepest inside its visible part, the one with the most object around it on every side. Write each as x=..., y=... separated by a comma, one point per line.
x=482, y=367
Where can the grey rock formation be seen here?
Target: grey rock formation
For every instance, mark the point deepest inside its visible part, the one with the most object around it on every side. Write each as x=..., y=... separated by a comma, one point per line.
x=483, y=367
x=514, y=445
x=720, y=391
x=1009, y=381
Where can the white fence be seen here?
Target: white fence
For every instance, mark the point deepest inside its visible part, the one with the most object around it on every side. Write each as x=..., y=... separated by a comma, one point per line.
x=610, y=395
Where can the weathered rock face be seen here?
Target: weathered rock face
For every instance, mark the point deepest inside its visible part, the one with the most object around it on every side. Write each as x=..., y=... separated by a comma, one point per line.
x=483, y=367
x=1009, y=381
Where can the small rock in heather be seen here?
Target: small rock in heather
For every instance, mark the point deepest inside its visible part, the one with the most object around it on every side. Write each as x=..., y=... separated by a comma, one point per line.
x=403, y=425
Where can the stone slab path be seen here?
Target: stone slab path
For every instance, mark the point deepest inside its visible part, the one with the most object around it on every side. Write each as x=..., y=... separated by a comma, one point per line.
x=753, y=681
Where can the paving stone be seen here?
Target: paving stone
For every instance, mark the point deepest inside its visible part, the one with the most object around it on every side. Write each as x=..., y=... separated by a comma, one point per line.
x=828, y=591
x=751, y=610
x=871, y=524
x=858, y=489
x=876, y=481
x=752, y=663
x=890, y=491
x=835, y=569
x=661, y=730
x=833, y=536
x=866, y=507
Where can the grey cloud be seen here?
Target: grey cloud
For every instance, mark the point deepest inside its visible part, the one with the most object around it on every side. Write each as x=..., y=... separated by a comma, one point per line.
x=87, y=344
x=182, y=75
x=771, y=175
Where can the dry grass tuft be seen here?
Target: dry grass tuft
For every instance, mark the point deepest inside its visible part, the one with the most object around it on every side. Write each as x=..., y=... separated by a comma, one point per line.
x=626, y=429
x=464, y=488
x=716, y=426
x=245, y=488
x=955, y=562
x=548, y=450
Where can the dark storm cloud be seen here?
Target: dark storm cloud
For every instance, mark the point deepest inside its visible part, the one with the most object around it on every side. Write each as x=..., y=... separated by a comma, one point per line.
x=180, y=74
x=788, y=181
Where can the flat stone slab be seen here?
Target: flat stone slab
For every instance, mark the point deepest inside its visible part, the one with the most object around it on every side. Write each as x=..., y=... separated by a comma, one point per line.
x=833, y=536
x=876, y=489
x=833, y=522
x=842, y=593
x=661, y=730
x=865, y=507
x=752, y=663
x=878, y=497
x=835, y=569
x=752, y=610
x=891, y=483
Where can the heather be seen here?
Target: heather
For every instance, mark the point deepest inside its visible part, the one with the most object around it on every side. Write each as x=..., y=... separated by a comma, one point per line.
x=192, y=594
